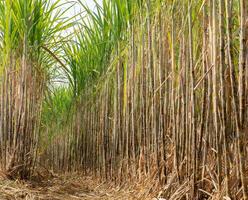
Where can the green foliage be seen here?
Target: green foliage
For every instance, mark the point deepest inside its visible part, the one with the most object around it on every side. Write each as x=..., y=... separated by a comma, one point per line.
x=56, y=110
x=97, y=36
x=27, y=25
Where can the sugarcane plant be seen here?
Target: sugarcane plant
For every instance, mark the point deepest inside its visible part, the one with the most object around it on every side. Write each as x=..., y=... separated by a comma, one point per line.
x=140, y=90
x=160, y=90
x=28, y=28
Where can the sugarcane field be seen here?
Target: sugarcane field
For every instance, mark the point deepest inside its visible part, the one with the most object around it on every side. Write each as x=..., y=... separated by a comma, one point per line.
x=123, y=99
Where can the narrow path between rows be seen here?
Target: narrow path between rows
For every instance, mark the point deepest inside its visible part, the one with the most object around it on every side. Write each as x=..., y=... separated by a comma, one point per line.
x=67, y=187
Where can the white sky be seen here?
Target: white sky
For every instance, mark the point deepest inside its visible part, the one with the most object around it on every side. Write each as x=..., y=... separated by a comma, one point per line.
x=74, y=10
x=77, y=8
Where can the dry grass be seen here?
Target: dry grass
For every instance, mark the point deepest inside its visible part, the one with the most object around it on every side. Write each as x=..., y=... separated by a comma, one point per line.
x=67, y=187
x=73, y=186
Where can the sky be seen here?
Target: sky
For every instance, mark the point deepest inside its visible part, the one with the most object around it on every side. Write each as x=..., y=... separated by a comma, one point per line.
x=77, y=8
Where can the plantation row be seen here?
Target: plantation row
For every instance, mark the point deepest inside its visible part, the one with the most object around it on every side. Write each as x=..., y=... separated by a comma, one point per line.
x=140, y=90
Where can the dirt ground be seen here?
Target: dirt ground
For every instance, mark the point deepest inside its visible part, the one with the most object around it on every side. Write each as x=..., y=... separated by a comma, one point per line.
x=67, y=187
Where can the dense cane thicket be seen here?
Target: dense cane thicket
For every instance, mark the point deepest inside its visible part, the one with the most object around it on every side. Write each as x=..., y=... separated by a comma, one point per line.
x=155, y=90
x=28, y=28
